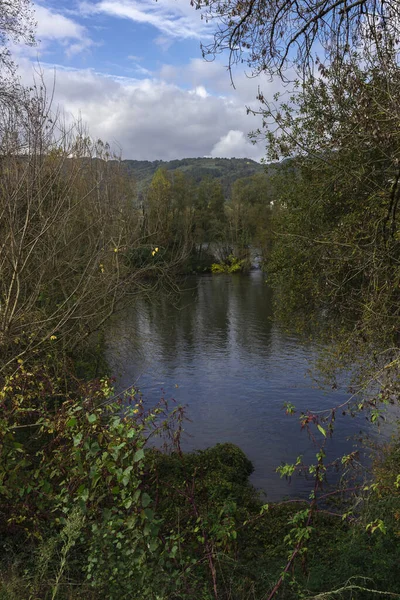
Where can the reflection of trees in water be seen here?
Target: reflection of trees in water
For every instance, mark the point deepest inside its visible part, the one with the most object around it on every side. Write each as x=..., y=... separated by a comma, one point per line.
x=153, y=330
x=233, y=367
x=212, y=311
x=251, y=311
x=213, y=314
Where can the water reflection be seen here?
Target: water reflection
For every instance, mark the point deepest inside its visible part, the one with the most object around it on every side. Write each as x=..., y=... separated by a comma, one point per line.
x=234, y=369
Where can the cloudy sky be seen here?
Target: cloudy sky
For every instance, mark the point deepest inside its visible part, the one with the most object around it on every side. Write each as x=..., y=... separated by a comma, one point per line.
x=133, y=71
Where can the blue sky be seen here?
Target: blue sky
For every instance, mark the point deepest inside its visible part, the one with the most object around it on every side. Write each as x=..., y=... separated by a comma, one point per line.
x=122, y=37
x=133, y=71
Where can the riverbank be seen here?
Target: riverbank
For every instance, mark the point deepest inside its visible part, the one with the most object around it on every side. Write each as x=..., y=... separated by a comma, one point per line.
x=104, y=515
x=216, y=350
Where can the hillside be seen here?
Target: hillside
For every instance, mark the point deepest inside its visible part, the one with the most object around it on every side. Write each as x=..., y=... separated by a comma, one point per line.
x=227, y=170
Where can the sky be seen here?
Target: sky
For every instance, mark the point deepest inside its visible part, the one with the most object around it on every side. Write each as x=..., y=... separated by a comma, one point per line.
x=133, y=71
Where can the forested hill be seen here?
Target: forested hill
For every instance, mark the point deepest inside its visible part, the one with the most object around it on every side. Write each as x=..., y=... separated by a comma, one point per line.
x=226, y=170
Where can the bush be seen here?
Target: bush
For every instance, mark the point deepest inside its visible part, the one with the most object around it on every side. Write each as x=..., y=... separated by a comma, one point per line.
x=72, y=473
x=232, y=265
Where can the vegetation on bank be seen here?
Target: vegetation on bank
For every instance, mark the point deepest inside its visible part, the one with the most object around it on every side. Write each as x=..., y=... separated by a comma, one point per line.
x=91, y=508
x=211, y=224
x=231, y=265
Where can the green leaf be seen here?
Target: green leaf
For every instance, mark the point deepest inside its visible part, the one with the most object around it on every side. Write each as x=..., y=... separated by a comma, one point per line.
x=149, y=513
x=92, y=418
x=322, y=430
x=83, y=492
x=77, y=439
x=153, y=545
x=139, y=455
x=145, y=500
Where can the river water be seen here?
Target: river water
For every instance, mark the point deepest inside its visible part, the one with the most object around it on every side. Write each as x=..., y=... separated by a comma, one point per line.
x=216, y=349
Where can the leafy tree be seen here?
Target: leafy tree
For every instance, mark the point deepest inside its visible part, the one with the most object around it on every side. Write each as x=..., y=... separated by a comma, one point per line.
x=159, y=201
x=182, y=190
x=249, y=211
x=209, y=205
x=336, y=249
x=169, y=214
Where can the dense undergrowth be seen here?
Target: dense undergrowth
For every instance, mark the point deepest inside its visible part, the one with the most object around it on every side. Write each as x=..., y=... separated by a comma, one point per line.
x=91, y=508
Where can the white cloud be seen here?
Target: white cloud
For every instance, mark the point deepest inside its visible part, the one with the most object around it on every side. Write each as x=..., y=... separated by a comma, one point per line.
x=153, y=119
x=164, y=42
x=172, y=18
x=200, y=91
x=215, y=77
x=55, y=27
x=236, y=144
x=142, y=70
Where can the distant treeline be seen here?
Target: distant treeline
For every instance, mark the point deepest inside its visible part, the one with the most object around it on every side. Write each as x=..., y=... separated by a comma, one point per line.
x=205, y=216
x=225, y=170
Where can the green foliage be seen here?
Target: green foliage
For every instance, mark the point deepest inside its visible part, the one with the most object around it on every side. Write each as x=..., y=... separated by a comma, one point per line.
x=199, y=219
x=200, y=260
x=335, y=271
x=169, y=217
x=209, y=215
x=224, y=170
x=250, y=210
x=335, y=258
x=87, y=504
x=74, y=472
x=232, y=265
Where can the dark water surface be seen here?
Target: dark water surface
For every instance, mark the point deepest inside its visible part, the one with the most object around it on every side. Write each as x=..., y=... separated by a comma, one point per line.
x=234, y=369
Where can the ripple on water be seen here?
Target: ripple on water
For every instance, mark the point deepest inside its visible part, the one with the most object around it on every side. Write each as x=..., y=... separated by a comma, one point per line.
x=217, y=351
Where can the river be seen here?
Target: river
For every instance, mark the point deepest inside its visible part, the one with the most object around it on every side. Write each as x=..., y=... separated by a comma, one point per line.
x=216, y=349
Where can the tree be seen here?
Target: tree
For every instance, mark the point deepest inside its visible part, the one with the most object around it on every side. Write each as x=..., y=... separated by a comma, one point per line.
x=337, y=247
x=159, y=203
x=272, y=36
x=249, y=211
x=68, y=230
x=16, y=24
x=169, y=215
x=210, y=215
x=337, y=129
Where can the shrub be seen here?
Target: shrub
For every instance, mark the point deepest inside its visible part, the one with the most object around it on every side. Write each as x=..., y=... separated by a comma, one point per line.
x=232, y=265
